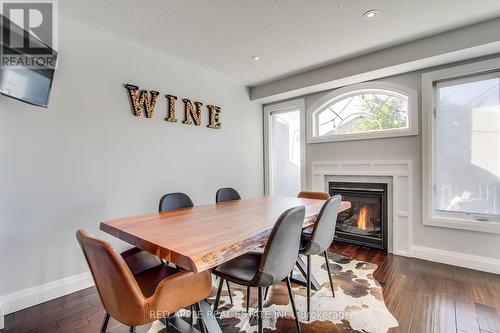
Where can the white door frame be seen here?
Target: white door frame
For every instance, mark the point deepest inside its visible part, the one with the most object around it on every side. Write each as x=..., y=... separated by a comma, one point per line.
x=292, y=105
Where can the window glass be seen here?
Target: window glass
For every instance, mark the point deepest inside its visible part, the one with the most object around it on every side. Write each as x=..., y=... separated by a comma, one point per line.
x=285, y=153
x=363, y=111
x=466, y=152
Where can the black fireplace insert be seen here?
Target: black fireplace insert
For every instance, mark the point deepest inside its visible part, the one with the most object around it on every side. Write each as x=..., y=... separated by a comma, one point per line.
x=365, y=223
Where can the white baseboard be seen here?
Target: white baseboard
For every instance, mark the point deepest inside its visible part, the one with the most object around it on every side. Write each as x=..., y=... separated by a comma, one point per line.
x=23, y=299
x=457, y=259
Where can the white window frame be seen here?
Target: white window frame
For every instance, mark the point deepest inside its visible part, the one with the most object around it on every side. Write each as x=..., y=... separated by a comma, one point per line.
x=412, y=128
x=287, y=106
x=429, y=216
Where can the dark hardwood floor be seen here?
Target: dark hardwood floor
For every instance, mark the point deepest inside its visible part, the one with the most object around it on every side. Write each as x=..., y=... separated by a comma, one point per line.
x=423, y=296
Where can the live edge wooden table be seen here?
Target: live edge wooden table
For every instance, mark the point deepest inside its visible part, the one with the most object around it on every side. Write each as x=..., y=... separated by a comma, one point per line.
x=203, y=237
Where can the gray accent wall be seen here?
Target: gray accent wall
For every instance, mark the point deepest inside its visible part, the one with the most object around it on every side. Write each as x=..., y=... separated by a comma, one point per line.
x=86, y=158
x=404, y=148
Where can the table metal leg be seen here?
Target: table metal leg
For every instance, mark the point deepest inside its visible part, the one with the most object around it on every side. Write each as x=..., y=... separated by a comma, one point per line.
x=301, y=265
x=208, y=317
x=207, y=321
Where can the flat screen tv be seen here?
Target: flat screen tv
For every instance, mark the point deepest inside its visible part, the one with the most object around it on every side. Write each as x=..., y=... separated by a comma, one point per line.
x=24, y=83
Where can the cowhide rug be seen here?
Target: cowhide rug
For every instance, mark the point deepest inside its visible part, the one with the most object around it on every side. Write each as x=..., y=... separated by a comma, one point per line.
x=358, y=305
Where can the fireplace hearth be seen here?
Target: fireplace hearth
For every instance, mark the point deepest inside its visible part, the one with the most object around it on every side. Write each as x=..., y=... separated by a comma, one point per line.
x=365, y=223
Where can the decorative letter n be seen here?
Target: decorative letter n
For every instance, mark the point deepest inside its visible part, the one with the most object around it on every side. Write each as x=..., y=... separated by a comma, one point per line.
x=192, y=113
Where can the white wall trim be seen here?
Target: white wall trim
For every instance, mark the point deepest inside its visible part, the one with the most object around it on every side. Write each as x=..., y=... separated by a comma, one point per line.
x=457, y=259
x=402, y=175
x=25, y=298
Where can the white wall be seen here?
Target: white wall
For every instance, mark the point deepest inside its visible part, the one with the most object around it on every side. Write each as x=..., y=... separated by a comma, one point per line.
x=404, y=148
x=87, y=158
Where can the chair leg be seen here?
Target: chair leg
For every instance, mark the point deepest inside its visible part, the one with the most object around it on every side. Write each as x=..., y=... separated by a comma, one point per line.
x=105, y=323
x=290, y=293
x=200, y=321
x=308, y=288
x=217, y=298
x=329, y=273
x=248, y=298
x=229, y=291
x=132, y=329
x=265, y=294
x=259, y=311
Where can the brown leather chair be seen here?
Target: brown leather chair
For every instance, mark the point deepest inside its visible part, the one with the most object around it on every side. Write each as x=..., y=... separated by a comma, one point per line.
x=140, y=292
x=314, y=195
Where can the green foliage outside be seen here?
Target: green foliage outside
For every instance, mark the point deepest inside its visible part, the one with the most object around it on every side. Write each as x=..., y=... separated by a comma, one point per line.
x=380, y=112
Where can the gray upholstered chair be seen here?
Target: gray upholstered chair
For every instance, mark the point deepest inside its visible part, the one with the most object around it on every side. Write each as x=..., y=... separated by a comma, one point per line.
x=263, y=269
x=312, y=195
x=320, y=240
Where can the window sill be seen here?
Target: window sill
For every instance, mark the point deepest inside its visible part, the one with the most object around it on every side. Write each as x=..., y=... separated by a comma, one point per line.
x=461, y=224
x=364, y=136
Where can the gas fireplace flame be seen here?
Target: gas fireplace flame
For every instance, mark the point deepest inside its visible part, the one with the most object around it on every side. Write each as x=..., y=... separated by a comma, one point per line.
x=363, y=218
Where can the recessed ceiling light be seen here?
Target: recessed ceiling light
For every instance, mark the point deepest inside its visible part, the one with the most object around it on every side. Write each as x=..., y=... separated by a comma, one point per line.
x=255, y=58
x=370, y=14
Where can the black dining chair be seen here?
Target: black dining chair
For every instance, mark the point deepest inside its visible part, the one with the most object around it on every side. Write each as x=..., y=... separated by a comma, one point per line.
x=230, y=194
x=222, y=195
x=136, y=258
x=263, y=269
x=177, y=200
x=320, y=240
x=226, y=194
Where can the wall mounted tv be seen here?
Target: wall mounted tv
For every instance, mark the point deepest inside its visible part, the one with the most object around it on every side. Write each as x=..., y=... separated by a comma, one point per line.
x=20, y=79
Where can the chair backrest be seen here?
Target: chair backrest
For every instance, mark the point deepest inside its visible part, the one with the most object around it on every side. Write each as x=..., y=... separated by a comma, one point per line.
x=120, y=294
x=282, y=247
x=324, y=228
x=171, y=201
x=227, y=194
x=314, y=195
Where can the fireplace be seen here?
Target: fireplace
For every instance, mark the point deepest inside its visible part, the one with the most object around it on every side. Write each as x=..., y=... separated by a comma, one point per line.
x=365, y=223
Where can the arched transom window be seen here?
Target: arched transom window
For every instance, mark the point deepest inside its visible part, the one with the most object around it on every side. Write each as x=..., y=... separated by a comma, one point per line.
x=362, y=113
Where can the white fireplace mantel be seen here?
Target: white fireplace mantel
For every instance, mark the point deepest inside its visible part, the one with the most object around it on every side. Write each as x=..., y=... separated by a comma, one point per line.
x=401, y=174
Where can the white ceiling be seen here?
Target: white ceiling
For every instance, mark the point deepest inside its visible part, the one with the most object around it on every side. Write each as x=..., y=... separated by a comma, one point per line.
x=289, y=35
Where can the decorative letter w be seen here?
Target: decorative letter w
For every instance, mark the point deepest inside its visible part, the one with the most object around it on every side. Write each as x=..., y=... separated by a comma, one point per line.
x=142, y=101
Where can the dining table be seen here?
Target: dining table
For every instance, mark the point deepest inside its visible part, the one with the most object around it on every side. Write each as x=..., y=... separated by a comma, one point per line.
x=202, y=237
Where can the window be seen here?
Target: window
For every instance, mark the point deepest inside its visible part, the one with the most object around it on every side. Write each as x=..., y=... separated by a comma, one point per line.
x=284, y=148
x=464, y=147
x=364, y=111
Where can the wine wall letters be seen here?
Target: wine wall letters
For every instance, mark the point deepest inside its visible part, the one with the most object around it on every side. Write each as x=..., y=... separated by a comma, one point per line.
x=145, y=101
